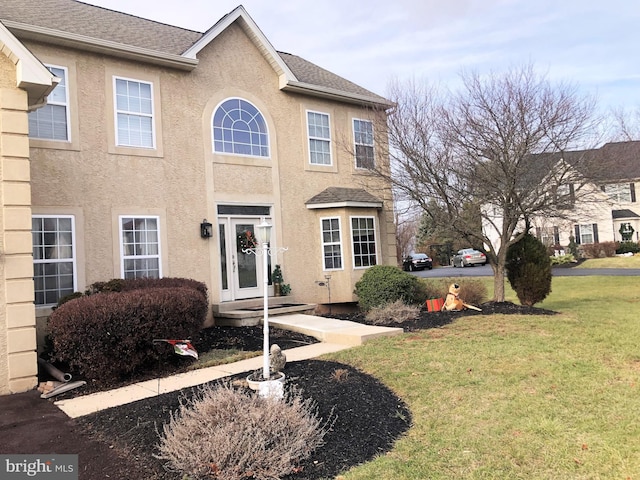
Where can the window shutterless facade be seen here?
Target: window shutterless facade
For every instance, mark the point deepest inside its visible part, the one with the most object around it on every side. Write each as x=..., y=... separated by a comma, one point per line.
x=51, y=122
x=363, y=137
x=140, y=247
x=240, y=128
x=331, y=244
x=363, y=238
x=319, y=138
x=134, y=113
x=54, y=257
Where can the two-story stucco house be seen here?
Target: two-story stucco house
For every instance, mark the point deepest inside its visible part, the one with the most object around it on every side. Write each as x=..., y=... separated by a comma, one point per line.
x=606, y=208
x=134, y=148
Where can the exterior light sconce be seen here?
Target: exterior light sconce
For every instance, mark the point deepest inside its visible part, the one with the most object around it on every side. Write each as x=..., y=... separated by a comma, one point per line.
x=206, y=229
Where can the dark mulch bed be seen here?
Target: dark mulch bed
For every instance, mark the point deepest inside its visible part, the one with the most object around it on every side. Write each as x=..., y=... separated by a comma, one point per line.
x=367, y=416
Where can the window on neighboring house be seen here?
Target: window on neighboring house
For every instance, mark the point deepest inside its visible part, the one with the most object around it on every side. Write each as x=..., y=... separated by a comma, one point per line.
x=319, y=138
x=51, y=122
x=134, y=113
x=620, y=192
x=364, y=241
x=363, y=135
x=565, y=195
x=239, y=128
x=54, y=265
x=331, y=245
x=549, y=236
x=140, y=247
x=587, y=233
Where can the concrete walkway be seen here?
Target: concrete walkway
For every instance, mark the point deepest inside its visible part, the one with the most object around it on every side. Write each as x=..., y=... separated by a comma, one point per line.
x=334, y=335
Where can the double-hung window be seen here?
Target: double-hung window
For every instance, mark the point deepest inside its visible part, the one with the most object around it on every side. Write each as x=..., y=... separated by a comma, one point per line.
x=140, y=247
x=363, y=137
x=586, y=233
x=319, y=138
x=331, y=244
x=134, y=113
x=51, y=122
x=54, y=259
x=363, y=236
x=620, y=192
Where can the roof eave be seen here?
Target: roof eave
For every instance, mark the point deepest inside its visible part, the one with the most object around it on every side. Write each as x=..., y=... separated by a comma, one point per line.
x=335, y=94
x=107, y=47
x=345, y=204
x=31, y=75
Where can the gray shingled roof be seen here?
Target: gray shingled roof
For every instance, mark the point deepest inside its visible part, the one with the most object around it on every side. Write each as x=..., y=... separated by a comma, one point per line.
x=343, y=195
x=625, y=213
x=91, y=21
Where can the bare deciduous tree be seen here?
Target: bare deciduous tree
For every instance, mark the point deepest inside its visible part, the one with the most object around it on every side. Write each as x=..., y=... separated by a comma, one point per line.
x=490, y=152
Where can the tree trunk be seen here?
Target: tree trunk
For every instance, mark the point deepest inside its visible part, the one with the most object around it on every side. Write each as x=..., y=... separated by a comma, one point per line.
x=498, y=284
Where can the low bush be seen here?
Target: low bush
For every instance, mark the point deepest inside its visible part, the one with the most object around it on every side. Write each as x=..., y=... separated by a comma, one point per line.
x=383, y=284
x=562, y=259
x=231, y=434
x=392, y=313
x=599, y=250
x=628, y=247
x=110, y=335
x=472, y=291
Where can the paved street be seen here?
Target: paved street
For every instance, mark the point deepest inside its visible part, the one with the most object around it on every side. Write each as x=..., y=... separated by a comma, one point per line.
x=485, y=271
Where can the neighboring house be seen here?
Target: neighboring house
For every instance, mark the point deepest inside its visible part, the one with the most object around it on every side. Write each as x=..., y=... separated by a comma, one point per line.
x=152, y=132
x=606, y=210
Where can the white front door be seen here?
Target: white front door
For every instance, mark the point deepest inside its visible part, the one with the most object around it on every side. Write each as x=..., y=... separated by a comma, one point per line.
x=242, y=275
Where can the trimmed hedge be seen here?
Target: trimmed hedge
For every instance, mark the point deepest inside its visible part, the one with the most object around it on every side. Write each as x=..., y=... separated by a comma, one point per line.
x=528, y=269
x=110, y=335
x=383, y=284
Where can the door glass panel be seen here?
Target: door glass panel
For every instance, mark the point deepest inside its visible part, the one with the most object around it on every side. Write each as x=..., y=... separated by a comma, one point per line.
x=223, y=257
x=245, y=238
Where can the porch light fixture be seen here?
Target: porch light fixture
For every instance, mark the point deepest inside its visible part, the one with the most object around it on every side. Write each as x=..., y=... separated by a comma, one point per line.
x=206, y=229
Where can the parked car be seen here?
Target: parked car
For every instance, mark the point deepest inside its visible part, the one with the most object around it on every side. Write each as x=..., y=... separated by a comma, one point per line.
x=469, y=256
x=417, y=261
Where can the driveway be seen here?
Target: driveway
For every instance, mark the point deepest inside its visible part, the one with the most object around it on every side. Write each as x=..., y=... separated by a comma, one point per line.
x=485, y=271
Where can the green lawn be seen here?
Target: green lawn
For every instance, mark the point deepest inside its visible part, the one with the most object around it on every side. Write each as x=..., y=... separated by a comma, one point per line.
x=611, y=262
x=518, y=397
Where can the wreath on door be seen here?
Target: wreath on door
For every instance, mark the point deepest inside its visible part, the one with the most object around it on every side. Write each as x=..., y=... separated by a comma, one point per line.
x=246, y=240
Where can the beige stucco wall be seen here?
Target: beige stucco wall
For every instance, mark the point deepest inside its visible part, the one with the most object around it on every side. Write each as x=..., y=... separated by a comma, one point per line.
x=181, y=180
x=18, y=364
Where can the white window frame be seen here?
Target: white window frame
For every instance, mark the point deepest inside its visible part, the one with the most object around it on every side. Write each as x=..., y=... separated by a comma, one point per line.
x=586, y=229
x=356, y=136
x=331, y=243
x=618, y=192
x=51, y=260
x=255, y=135
x=53, y=102
x=124, y=256
x=133, y=113
x=353, y=242
x=322, y=139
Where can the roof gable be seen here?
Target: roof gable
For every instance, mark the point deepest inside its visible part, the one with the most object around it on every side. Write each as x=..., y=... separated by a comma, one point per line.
x=71, y=23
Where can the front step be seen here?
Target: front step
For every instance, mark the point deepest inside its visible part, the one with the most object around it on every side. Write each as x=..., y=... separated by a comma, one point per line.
x=245, y=313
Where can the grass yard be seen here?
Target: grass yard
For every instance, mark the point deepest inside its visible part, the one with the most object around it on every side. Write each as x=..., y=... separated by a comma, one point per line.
x=518, y=397
x=611, y=262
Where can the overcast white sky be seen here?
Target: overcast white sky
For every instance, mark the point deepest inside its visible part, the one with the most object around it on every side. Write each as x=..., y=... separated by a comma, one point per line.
x=370, y=42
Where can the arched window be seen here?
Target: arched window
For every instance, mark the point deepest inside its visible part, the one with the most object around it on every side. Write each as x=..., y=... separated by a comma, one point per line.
x=239, y=127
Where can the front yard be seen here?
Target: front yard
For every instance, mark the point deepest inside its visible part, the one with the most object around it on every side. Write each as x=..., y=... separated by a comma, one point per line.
x=531, y=397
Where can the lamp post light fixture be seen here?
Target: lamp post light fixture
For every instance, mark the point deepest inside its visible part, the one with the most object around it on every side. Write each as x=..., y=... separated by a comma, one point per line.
x=206, y=229
x=264, y=236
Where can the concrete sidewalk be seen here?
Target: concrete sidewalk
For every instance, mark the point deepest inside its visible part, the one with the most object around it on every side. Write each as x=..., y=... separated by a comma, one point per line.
x=334, y=335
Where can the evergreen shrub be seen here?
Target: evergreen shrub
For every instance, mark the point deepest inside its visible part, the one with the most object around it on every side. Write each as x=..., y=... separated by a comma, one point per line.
x=383, y=284
x=528, y=270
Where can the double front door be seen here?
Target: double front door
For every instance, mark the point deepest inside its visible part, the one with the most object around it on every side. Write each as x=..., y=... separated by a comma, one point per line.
x=241, y=269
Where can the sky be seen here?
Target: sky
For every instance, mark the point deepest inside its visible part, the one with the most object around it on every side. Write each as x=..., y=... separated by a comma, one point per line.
x=591, y=44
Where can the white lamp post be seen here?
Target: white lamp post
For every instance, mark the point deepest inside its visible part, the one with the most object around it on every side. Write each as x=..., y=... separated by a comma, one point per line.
x=265, y=237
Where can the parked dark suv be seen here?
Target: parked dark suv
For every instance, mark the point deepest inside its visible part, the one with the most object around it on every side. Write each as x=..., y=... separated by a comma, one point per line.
x=417, y=261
